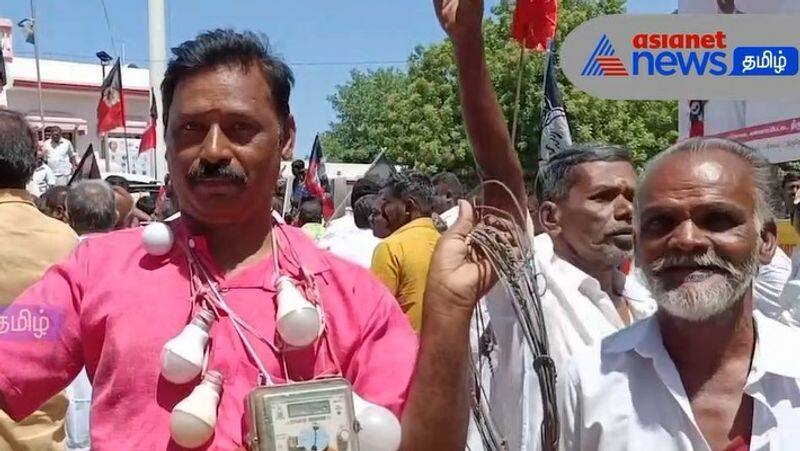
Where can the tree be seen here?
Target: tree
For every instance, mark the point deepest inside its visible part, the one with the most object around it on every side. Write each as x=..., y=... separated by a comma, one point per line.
x=415, y=114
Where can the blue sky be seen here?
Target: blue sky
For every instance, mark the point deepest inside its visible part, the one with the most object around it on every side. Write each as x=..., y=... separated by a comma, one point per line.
x=321, y=39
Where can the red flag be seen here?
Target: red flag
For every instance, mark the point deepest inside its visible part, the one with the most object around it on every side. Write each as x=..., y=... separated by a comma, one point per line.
x=535, y=23
x=697, y=118
x=314, y=176
x=148, y=141
x=111, y=108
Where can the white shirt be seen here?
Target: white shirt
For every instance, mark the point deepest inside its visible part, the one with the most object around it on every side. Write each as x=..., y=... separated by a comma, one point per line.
x=770, y=295
x=344, y=239
x=42, y=179
x=79, y=395
x=58, y=156
x=626, y=394
x=577, y=314
x=769, y=284
x=795, y=263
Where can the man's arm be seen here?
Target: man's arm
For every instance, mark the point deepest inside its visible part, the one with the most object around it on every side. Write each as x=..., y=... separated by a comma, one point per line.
x=436, y=416
x=72, y=156
x=44, y=358
x=486, y=126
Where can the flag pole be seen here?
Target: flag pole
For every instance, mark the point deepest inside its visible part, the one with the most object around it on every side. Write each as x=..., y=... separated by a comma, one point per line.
x=520, y=66
x=544, y=87
x=38, y=72
x=124, y=121
x=347, y=197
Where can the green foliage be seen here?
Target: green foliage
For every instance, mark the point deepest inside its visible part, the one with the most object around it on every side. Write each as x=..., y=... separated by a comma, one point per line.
x=415, y=114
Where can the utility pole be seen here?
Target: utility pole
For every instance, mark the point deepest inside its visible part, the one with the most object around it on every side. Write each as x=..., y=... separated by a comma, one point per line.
x=38, y=71
x=158, y=65
x=104, y=58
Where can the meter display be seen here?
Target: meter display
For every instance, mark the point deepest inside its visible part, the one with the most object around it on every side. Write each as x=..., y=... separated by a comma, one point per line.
x=309, y=408
x=304, y=416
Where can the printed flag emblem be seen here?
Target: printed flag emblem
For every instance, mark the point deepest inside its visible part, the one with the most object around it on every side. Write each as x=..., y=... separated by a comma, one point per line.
x=604, y=61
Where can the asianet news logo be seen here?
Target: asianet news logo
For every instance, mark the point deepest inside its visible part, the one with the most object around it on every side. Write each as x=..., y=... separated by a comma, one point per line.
x=689, y=54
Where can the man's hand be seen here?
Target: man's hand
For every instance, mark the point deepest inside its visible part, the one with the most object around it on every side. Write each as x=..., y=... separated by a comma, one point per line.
x=460, y=18
x=454, y=279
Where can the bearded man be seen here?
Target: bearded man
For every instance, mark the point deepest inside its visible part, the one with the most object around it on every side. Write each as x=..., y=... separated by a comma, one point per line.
x=706, y=372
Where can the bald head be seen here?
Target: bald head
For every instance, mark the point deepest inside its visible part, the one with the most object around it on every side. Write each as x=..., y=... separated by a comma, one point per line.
x=124, y=204
x=708, y=160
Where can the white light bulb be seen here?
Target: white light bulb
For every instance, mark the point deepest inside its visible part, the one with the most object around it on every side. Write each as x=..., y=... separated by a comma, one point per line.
x=299, y=322
x=193, y=419
x=157, y=238
x=182, y=356
x=379, y=429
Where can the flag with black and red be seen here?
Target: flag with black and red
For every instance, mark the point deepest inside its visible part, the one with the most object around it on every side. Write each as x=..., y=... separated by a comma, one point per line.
x=316, y=178
x=111, y=108
x=534, y=23
x=148, y=141
x=697, y=114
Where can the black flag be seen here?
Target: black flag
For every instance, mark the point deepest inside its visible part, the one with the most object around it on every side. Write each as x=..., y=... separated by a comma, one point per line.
x=381, y=171
x=3, y=75
x=87, y=168
x=555, y=128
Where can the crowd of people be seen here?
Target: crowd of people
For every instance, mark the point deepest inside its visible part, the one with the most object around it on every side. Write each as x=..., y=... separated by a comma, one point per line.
x=671, y=314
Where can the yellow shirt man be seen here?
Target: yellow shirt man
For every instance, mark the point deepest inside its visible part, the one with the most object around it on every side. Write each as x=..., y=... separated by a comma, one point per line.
x=402, y=260
x=32, y=242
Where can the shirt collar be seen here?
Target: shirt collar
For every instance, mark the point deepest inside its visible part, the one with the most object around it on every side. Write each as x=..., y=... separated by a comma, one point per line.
x=644, y=337
x=298, y=254
x=419, y=222
x=10, y=195
x=772, y=339
x=567, y=273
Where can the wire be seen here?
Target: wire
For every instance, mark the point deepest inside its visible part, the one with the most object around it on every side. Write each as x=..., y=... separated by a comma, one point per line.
x=108, y=24
x=92, y=58
x=509, y=250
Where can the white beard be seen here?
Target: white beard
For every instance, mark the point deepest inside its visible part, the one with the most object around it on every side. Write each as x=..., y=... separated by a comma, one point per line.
x=706, y=298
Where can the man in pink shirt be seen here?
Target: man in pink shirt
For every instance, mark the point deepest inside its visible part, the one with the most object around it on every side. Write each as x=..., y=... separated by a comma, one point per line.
x=111, y=306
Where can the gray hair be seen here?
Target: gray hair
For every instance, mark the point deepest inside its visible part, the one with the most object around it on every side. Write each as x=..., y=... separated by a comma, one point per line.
x=91, y=207
x=764, y=174
x=553, y=180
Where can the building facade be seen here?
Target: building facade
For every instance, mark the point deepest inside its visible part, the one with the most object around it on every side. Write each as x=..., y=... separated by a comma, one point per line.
x=70, y=92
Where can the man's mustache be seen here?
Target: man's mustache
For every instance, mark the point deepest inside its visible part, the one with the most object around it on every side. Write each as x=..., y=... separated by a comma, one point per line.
x=708, y=260
x=204, y=171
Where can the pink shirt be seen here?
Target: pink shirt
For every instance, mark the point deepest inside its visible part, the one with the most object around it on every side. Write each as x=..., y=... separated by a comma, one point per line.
x=113, y=307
